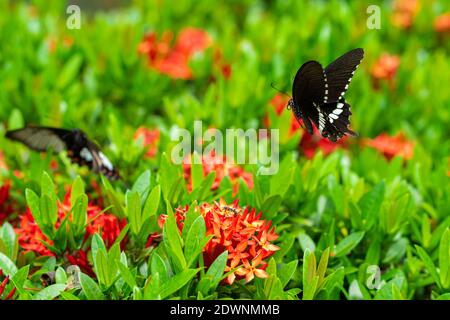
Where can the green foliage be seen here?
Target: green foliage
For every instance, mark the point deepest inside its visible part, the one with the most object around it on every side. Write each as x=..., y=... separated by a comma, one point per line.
x=351, y=224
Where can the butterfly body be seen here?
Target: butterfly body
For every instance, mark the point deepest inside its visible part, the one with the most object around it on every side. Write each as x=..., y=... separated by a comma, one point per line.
x=79, y=148
x=318, y=95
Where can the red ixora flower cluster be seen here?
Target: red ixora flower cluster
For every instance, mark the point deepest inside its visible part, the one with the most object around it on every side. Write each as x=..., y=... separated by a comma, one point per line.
x=405, y=12
x=385, y=69
x=442, y=23
x=223, y=167
x=391, y=146
x=174, y=61
x=107, y=225
x=247, y=238
x=149, y=139
x=3, y=285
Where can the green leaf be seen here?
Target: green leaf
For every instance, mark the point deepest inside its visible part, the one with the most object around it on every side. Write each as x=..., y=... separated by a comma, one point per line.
x=80, y=214
x=33, y=203
x=429, y=265
x=287, y=271
x=310, y=279
x=194, y=237
x=271, y=205
x=126, y=275
x=69, y=71
x=172, y=240
x=8, y=267
x=90, y=288
x=102, y=269
x=152, y=203
x=50, y=292
x=142, y=185
x=370, y=204
x=134, y=211
x=15, y=120
x=177, y=282
x=196, y=171
x=8, y=239
x=20, y=277
x=306, y=242
x=77, y=190
x=444, y=259
x=60, y=276
x=322, y=268
x=159, y=267
x=348, y=243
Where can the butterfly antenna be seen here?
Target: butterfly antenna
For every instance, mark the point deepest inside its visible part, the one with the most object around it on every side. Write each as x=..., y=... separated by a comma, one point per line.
x=280, y=91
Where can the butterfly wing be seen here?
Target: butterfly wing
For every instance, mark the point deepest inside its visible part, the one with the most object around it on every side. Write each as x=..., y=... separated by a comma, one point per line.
x=42, y=138
x=308, y=92
x=334, y=120
x=339, y=73
x=94, y=158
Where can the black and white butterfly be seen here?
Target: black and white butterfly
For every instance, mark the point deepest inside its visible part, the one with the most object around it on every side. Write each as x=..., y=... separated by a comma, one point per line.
x=79, y=148
x=318, y=95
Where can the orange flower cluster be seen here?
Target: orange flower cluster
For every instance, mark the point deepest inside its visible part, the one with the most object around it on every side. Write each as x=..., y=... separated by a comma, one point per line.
x=247, y=238
x=385, y=69
x=3, y=285
x=442, y=23
x=149, y=139
x=393, y=146
x=405, y=12
x=31, y=236
x=223, y=167
x=174, y=61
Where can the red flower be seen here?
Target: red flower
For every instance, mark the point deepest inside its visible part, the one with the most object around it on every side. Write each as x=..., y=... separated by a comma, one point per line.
x=397, y=145
x=6, y=208
x=279, y=103
x=192, y=40
x=309, y=144
x=442, y=23
x=149, y=139
x=174, y=62
x=239, y=231
x=223, y=168
x=405, y=12
x=31, y=236
x=3, y=285
x=385, y=69
x=80, y=259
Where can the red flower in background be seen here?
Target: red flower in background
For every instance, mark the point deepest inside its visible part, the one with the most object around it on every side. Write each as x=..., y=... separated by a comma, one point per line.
x=149, y=139
x=405, y=12
x=31, y=237
x=393, y=146
x=442, y=23
x=385, y=69
x=3, y=285
x=279, y=103
x=174, y=61
x=243, y=233
x=223, y=167
x=5, y=207
x=309, y=144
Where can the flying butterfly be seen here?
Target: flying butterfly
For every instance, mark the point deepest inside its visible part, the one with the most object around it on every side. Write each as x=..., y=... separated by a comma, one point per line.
x=79, y=148
x=318, y=95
